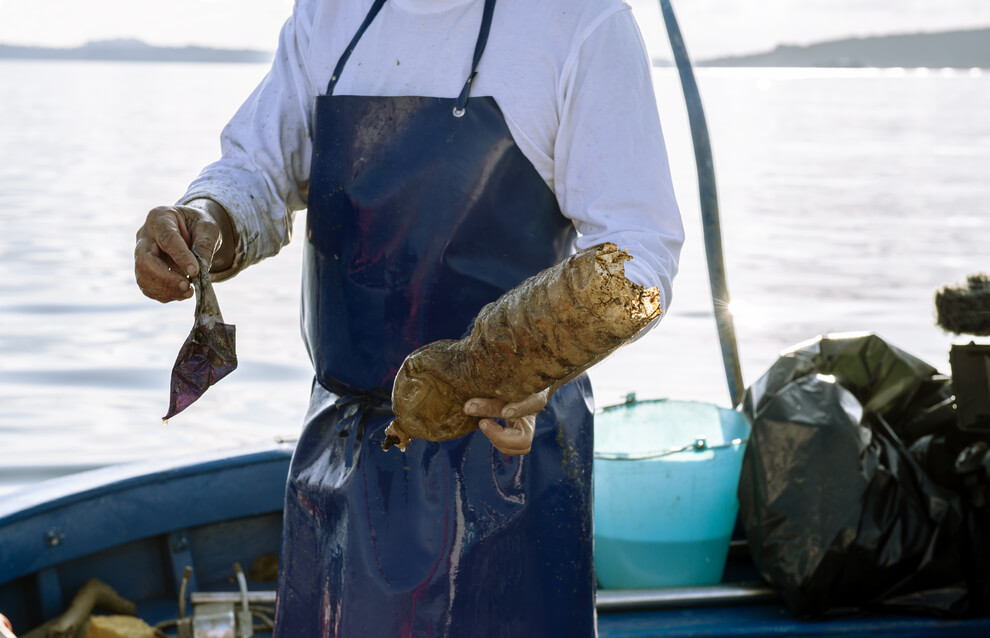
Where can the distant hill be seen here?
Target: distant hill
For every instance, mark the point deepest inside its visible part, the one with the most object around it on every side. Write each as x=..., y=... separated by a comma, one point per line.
x=949, y=49
x=133, y=51
x=954, y=49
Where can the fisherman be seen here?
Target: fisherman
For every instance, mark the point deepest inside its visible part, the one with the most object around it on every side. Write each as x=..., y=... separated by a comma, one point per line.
x=445, y=150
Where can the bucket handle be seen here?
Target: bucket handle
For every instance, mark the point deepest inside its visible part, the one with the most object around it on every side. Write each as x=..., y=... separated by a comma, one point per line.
x=699, y=445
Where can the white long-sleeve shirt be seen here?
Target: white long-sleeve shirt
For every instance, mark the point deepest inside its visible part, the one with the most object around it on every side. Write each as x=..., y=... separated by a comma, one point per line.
x=572, y=79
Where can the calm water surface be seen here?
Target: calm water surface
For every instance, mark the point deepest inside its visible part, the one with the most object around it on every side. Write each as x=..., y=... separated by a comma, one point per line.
x=847, y=198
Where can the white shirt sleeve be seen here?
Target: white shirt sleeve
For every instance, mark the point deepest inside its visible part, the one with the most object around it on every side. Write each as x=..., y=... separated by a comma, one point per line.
x=611, y=171
x=262, y=177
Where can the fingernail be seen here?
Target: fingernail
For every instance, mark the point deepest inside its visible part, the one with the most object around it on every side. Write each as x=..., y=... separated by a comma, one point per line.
x=509, y=413
x=472, y=406
x=183, y=286
x=484, y=426
x=191, y=271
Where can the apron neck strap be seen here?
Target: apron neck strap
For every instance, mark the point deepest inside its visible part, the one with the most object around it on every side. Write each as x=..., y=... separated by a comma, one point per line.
x=479, y=49
x=368, y=19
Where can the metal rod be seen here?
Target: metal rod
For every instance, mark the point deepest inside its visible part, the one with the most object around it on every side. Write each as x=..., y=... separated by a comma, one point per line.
x=186, y=575
x=709, y=207
x=607, y=599
x=671, y=597
x=242, y=582
x=253, y=597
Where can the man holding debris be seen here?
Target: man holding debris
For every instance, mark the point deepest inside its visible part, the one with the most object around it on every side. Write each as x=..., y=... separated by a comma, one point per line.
x=446, y=150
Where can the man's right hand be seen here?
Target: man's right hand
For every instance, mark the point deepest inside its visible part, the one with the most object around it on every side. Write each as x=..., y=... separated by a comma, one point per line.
x=163, y=258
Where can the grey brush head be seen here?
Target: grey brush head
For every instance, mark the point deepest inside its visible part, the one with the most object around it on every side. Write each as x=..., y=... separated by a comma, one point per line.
x=965, y=309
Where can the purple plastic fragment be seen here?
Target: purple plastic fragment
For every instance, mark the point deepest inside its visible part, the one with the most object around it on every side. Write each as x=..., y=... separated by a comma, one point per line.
x=208, y=353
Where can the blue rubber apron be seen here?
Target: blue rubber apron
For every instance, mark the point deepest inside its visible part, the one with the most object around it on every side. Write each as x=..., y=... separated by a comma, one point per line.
x=421, y=210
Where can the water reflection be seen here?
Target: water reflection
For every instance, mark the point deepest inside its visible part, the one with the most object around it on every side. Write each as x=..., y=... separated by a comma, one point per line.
x=848, y=197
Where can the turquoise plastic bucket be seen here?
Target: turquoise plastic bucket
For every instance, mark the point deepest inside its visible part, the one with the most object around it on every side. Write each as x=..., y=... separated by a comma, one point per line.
x=665, y=479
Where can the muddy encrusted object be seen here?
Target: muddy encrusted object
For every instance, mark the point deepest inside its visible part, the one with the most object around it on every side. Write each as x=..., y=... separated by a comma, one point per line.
x=119, y=627
x=539, y=335
x=93, y=595
x=208, y=353
x=965, y=309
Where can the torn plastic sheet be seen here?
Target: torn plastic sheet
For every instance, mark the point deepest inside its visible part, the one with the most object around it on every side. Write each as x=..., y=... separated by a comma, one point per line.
x=208, y=353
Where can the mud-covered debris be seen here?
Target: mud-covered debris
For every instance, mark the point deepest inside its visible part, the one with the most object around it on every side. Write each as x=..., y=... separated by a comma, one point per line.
x=539, y=335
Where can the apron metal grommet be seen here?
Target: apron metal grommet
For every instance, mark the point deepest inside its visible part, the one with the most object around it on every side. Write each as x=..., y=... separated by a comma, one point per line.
x=458, y=112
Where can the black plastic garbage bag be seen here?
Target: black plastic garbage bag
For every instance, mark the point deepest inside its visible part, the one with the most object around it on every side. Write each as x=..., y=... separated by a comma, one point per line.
x=840, y=516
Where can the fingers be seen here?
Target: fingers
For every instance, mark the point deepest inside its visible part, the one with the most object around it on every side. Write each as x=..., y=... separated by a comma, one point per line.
x=484, y=407
x=517, y=437
x=514, y=439
x=154, y=273
x=530, y=405
x=498, y=408
x=205, y=235
x=163, y=260
x=170, y=233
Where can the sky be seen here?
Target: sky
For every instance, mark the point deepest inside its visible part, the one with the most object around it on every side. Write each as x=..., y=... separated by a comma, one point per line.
x=711, y=27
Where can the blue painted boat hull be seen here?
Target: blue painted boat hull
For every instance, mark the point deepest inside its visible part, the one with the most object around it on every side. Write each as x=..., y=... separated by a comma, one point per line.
x=137, y=526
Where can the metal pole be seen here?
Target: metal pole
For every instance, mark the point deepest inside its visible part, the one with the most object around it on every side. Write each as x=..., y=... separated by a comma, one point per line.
x=709, y=207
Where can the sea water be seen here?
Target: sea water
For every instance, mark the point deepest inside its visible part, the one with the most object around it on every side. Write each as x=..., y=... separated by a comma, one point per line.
x=847, y=197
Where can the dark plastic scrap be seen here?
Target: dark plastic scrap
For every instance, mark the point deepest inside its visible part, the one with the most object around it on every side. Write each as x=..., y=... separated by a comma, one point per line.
x=208, y=353
x=965, y=309
x=841, y=518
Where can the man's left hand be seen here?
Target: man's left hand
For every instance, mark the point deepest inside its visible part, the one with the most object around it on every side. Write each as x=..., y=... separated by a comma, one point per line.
x=520, y=417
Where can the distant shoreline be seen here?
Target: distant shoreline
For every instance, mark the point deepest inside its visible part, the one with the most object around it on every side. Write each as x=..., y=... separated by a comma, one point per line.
x=960, y=49
x=134, y=51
